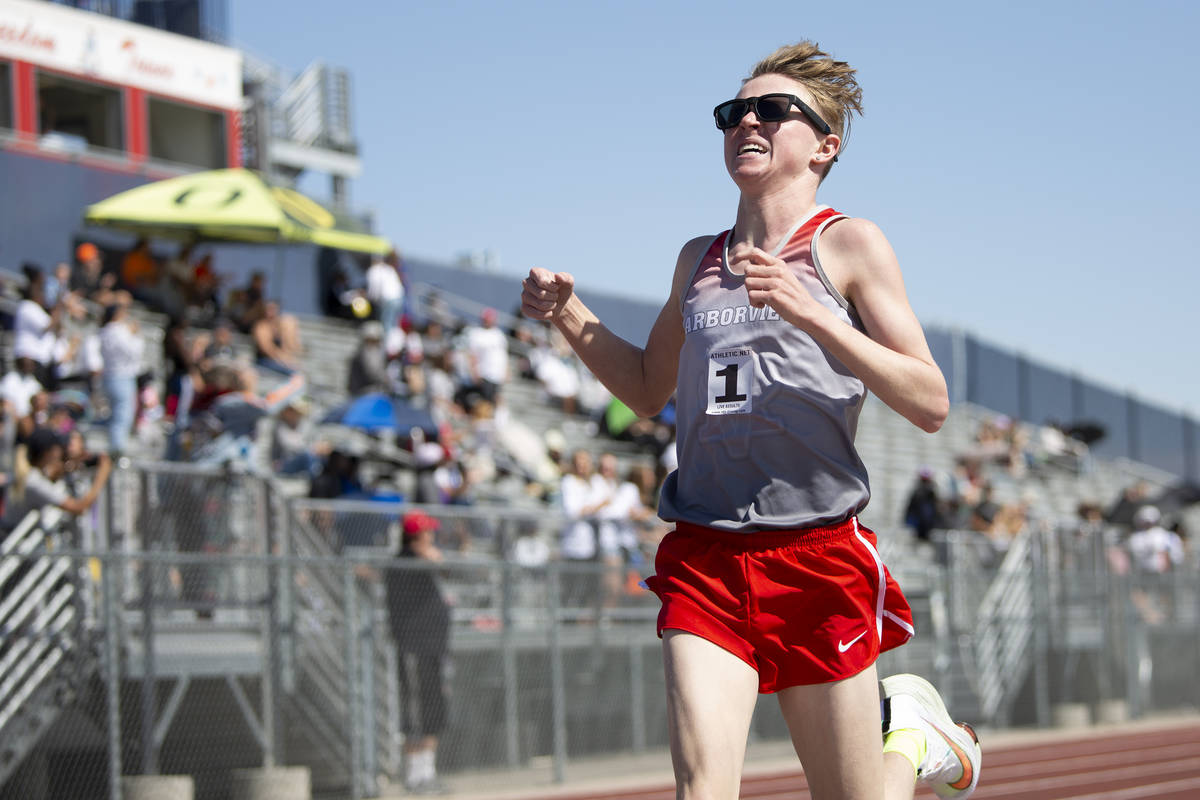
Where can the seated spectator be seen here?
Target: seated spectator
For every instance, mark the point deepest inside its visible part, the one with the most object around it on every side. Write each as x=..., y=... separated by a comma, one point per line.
x=277, y=340
x=923, y=512
x=90, y=282
x=369, y=365
x=38, y=480
x=486, y=350
x=142, y=276
x=247, y=304
x=341, y=300
x=227, y=430
x=219, y=347
x=291, y=450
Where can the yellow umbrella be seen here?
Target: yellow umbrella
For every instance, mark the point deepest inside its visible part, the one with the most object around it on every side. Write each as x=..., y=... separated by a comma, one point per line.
x=227, y=205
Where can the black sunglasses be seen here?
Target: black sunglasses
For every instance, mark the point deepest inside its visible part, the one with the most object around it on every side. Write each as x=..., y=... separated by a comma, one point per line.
x=768, y=108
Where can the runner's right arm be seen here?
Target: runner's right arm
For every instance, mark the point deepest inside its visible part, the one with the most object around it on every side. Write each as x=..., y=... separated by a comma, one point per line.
x=641, y=378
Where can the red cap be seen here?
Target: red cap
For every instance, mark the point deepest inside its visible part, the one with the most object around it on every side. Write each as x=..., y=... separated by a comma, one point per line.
x=418, y=521
x=86, y=252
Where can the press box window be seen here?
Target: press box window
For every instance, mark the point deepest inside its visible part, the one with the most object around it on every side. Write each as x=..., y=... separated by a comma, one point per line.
x=6, y=112
x=74, y=114
x=186, y=134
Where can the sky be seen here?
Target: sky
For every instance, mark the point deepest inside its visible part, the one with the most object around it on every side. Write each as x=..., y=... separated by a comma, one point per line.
x=1034, y=164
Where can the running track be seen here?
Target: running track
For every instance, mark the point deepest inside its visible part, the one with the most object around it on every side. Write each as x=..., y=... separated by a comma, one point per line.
x=1163, y=764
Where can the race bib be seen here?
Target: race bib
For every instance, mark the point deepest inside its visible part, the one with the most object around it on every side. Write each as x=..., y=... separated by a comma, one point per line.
x=730, y=379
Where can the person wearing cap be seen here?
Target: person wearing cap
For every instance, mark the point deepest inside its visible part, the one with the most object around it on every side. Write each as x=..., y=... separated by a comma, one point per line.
x=38, y=480
x=91, y=282
x=420, y=622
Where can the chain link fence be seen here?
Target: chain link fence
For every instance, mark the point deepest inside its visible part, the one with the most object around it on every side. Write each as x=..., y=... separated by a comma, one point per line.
x=202, y=625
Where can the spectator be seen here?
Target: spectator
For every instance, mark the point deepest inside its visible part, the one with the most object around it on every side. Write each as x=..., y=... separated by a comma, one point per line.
x=202, y=291
x=246, y=305
x=91, y=282
x=291, y=453
x=1154, y=549
x=230, y=423
x=487, y=360
x=121, y=352
x=1154, y=552
x=420, y=621
x=368, y=367
x=219, y=348
x=338, y=476
x=276, y=338
x=182, y=360
x=923, y=510
x=142, y=276
x=19, y=386
x=35, y=326
x=339, y=297
x=38, y=480
x=385, y=290
x=557, y=369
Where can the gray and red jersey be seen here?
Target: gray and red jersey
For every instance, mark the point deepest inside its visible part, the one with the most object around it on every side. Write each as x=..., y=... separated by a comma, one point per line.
x=765, y=416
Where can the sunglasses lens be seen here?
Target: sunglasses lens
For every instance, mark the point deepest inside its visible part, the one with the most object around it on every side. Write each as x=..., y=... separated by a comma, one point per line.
x=730, y=113
x=772, y=108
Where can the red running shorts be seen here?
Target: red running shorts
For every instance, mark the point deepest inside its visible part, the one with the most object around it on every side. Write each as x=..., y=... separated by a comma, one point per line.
x=801, y=606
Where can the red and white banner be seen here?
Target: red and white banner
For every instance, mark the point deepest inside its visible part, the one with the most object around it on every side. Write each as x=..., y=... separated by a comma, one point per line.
x=112, y=50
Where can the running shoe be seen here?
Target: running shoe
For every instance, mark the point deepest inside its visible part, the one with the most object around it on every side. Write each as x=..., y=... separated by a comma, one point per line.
x=953, y=758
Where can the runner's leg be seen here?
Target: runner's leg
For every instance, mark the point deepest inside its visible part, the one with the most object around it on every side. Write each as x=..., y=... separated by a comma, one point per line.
x=835, y=728
x=711, y=695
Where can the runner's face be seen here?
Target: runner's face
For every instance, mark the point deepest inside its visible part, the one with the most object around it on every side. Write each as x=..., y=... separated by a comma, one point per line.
x=758, y=151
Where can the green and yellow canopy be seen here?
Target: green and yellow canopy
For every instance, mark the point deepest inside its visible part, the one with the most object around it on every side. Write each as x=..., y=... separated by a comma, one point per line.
x=227, y=205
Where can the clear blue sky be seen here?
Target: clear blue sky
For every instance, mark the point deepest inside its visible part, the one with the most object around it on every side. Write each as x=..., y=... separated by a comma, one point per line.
x=1035, y=165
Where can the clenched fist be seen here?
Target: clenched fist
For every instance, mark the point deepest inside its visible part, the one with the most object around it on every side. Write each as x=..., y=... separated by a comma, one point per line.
x=544, y=293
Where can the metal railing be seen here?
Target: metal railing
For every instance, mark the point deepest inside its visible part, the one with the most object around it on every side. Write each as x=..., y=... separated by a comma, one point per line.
x=228, y=626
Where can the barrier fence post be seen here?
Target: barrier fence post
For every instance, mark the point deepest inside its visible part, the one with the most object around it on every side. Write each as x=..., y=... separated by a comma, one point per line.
x=112, y=661
x=558, y=699
x=509, y=663
x=352, y=697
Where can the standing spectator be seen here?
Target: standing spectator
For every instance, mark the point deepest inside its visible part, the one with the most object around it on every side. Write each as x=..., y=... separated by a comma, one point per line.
x=487, y=359
x=277, y=340
x=385, y=290
x=121, y=351
x=368, y=367
x=35, y=326
x=420, y=620
x=923, y=511
x=1154, y=549
x=183, y=364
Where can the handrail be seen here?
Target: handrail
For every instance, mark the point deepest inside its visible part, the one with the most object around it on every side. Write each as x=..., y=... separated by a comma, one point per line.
x=1004, y=628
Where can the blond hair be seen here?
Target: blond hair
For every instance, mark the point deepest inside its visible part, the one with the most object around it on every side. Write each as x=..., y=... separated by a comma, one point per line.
x=835, y=91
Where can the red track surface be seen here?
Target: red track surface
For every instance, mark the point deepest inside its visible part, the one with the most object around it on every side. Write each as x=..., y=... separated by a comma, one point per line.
x=1163, y=764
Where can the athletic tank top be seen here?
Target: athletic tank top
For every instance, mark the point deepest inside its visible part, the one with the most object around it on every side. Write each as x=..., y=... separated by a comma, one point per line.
x=765, y=416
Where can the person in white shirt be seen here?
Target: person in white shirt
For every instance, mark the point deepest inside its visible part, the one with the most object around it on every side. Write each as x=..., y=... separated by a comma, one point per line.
x=19, y=385
x=35, y=327
x=385, y=290
x=487, y=356
x=121, y=350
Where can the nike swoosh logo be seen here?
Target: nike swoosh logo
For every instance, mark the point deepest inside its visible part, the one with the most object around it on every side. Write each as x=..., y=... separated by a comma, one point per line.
x=968, y=772
x=844, y=646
